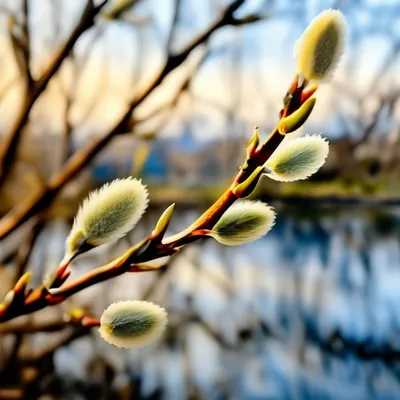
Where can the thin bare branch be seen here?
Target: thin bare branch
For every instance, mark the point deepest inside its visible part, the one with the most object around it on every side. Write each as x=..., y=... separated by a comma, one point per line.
x=13, y=355
x=118, y=10
x=79, y=160
x=17, y=48
x=154, y=246
x=174, y=24
x=24, y=327
x=69, y=337
x=25, y=250
x=183, y=86
x=9, y=146
x=249, y=19
x=390, y=102
x=26, y=49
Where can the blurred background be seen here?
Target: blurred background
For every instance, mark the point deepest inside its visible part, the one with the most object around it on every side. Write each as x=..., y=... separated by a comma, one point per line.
x=170, y=92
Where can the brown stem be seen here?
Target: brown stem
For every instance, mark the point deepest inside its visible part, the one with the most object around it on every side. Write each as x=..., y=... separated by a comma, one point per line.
x=41, y=298
x=144, y=251
x=26, y=327
x=119, y=9
x=78, y=161
x=210, y=217
x=174, y=24
x=147, y=250
x=9, y=146
x=26, y=49
x=34, y=359
x=24, y=252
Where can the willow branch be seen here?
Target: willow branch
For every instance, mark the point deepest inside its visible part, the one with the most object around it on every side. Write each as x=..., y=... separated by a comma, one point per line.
x=153, y=247
x=82, y=158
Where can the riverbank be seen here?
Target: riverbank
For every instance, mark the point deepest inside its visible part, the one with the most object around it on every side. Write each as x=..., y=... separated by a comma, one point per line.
x=314, y=193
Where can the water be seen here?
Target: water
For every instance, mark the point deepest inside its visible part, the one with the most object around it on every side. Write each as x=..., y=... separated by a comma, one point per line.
x=311, y=311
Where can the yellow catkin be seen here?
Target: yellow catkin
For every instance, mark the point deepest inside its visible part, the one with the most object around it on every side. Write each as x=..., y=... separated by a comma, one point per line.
x=321, y=46
x=243, y=222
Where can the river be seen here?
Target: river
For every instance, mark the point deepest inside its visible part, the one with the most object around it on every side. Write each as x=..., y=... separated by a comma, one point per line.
x=311, y=311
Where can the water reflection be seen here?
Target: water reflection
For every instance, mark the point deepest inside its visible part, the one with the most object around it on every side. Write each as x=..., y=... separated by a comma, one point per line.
x=309, y=312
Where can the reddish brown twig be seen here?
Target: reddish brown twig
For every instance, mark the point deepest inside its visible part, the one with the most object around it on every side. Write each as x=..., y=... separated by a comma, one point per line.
x=22, y=212
x=154, y=247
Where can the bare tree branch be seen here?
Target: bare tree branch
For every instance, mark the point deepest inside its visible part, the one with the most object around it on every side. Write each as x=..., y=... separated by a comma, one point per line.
x=174, y=24
x=26, y=49
x=24, y=327
x=118, y=10
x=9, y=146
x=69, y=337
x=25, y=250
x=183, y=86
x=17, y=50
x=12, y=357
x=22, y=212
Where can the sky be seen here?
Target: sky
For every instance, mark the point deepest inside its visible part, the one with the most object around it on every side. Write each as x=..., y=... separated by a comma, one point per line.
x=243, y=79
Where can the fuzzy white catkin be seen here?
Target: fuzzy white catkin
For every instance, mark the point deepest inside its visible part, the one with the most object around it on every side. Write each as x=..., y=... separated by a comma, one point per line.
x=298, y=159
x=243, y=222
x=132, y=323
x=108, y=213
x=320, y=48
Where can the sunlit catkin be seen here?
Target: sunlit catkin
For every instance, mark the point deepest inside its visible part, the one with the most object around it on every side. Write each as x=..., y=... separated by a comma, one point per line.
x=106, y=215
x=243, y=222
x=132, y=323
x=319, y=49
x=298, y=158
